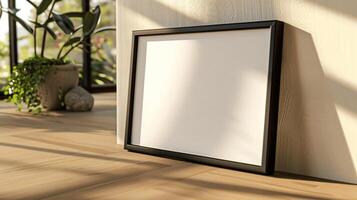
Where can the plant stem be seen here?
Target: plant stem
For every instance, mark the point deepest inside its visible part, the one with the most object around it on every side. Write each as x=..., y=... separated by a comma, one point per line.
x=62, y=47
x=71, y=49
x=43, y=42
x=60, y=52
x=45, y=31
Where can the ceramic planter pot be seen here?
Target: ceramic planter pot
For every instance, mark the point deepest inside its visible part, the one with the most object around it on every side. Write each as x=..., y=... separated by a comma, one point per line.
x=58, y=81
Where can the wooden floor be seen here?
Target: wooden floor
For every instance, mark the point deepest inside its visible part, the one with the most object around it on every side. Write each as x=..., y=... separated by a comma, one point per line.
x=74, y=156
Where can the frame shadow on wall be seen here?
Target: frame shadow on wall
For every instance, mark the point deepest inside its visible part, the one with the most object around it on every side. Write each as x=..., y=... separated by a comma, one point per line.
x=308, y=120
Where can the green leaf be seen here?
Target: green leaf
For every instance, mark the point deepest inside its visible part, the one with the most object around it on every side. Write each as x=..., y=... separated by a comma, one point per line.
x=74, y=14
x=90, y=21
x=70, y=15
x=105, y=28
x=33, y=4
x=64, y=23
x=72, y=41
x=43, y=6
x=12, y=13
x=44, y=26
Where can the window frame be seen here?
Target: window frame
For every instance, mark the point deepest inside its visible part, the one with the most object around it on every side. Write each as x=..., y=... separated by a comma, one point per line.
x=87, y=82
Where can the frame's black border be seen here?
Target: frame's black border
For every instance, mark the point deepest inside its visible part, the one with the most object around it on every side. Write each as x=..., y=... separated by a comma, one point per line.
x=272, y=104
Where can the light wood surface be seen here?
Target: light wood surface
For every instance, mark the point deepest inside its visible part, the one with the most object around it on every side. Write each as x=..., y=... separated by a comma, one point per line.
x=74, y=156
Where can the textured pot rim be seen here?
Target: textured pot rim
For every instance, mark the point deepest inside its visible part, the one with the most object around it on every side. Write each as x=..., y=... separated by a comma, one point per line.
x=67, y=67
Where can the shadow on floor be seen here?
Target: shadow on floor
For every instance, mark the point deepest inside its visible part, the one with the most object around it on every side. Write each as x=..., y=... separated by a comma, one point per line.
x=67, y=153
x=242, y=189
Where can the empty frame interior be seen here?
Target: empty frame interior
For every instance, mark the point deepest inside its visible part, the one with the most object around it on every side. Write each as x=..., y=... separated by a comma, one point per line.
x=202, y=94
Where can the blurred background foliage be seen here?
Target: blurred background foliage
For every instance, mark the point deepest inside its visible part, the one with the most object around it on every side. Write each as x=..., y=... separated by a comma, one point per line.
x=4, y=49
x=104, y=46
x=103, y=53
x=4, y=63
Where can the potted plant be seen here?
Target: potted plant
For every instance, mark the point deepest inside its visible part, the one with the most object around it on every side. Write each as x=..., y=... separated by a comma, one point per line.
x=41, y=82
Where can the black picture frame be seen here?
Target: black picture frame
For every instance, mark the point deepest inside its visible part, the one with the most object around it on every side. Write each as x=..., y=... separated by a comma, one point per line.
x=272, y=103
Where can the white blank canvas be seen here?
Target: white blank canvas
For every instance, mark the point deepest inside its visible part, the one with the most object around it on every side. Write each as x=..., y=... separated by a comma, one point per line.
x=203, y=93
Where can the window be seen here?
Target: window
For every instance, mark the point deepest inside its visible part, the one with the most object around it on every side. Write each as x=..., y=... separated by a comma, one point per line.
x=4, y=48
x=98, y=61
x=103, y=55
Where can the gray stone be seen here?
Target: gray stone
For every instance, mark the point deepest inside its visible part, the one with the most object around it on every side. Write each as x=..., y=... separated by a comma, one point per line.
x=78, y=99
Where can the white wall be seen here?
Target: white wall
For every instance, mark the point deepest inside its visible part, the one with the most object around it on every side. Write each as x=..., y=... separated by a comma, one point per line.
x=317, y=133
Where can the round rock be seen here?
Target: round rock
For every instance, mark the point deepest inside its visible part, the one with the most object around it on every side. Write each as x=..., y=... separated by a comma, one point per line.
x=78, y=100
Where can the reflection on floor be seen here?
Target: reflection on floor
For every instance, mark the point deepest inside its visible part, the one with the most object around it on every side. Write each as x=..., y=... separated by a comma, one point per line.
x=74, y=156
